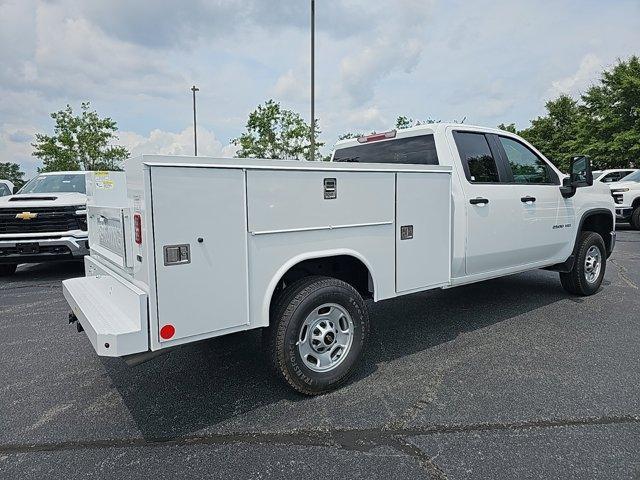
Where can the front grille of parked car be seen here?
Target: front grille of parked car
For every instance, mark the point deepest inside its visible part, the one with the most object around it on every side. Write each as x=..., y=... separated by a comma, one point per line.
x=42, y=250
x=48, y=219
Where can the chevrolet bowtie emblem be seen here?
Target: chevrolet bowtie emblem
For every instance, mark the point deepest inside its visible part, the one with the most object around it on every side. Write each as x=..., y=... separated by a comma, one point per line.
x=26, y=215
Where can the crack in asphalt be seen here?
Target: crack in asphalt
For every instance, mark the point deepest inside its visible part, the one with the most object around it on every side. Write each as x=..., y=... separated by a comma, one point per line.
x=622, y=273
x=363, y=440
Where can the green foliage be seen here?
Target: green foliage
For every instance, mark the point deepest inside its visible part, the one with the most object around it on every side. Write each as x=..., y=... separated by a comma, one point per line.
x=610, y=125
x=11, y=171
x=508, y=128
x=555, y=134
x=604, y=124
x=79, y=142
x=404, y=122
x=274, y=132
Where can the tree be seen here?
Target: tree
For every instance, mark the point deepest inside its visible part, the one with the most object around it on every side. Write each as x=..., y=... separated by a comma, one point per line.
x=11, y=171
x=404, y=122
x=555, y=134
x=79, y=142
x=508, y=128
x=274, y=132
x=610, y=117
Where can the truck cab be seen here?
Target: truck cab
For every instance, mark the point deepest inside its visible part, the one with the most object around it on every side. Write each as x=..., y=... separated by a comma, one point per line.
x=509, y=211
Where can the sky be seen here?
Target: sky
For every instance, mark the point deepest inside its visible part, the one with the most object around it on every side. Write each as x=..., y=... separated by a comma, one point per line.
x=488, y=62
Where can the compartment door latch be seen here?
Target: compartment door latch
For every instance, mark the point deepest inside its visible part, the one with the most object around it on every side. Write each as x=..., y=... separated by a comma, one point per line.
x=176, y=254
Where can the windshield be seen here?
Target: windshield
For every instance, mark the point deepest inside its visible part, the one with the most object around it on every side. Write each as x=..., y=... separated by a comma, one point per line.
x=632, y=177
x=4, y=190
x=73, y=182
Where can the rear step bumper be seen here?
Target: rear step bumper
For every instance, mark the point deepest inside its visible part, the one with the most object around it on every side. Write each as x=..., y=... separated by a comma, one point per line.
x=112, y=312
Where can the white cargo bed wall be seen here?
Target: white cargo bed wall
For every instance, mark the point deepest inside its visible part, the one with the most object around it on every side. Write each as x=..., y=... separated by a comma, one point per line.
x=290, y=220
x=204, y=210
x=287, y=220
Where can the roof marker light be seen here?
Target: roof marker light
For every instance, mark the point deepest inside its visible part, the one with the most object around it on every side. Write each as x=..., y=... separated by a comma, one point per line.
x=377, y=136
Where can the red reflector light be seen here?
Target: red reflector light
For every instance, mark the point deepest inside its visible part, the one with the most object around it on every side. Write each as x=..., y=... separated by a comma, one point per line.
x=137, y=228
x=167, y=331
x=377, y=136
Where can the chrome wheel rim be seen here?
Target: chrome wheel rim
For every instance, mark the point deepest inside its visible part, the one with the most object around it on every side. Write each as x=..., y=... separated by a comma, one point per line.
x=592, y=264
x=325, y=337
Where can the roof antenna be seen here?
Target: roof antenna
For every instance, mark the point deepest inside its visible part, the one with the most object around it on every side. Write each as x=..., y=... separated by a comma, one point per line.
x=465, y=117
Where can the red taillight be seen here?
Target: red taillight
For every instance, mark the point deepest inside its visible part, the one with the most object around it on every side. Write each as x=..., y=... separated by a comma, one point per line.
x=167, y=331
x=137, y=228
x=377, y=136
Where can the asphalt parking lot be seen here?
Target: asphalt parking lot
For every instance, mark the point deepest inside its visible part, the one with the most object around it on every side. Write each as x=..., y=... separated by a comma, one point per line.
x=510, y=378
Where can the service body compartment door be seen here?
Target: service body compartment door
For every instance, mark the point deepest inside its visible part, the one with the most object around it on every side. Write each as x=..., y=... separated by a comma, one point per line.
x=201, y=286
x=423, y=230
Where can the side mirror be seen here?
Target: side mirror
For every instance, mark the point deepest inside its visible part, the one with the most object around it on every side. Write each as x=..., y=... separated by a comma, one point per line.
x=580, y=175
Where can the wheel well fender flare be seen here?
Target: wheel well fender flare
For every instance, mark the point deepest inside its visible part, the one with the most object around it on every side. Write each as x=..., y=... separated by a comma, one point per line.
x=293, y=261
x=591, y=213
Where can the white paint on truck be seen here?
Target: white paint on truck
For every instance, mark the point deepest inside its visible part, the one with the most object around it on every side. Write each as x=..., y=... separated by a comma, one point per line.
x=219, y=239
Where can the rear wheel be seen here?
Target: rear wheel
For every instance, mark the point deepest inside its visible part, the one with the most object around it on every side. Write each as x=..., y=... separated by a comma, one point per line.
x=7, y=269
x=589, y=267
x=318, y=332
x=635, y=218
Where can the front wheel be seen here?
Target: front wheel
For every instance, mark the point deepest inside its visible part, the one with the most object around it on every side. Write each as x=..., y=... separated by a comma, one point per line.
x=7, y=269
x=318, y=332
x=588, y=270
x=635, y=218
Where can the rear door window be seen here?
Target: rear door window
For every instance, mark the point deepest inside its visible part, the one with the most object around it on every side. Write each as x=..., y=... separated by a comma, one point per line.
x=478, y=161
x=413, y=150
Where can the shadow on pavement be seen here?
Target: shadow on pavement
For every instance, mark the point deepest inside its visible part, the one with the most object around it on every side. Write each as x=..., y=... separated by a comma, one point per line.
x=206, y=383
x=32, y=273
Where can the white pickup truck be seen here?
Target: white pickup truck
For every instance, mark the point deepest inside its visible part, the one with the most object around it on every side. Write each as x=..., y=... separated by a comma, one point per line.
x=46, y=220
x=626, y=195
x=189, y=248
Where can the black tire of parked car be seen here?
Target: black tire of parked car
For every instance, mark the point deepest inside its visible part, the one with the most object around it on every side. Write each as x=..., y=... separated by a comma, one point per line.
x=635, y=218
x=575, y=281
x=294, y=305
x=7, y=269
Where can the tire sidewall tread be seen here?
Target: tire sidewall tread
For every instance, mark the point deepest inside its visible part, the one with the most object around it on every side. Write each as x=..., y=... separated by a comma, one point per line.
x=574, y=281
x=290, y=310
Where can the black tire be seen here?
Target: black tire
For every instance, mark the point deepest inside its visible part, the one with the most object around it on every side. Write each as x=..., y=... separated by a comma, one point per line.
x=635, y=218
x=576, y=281
x=7, y=269
x=292, y=307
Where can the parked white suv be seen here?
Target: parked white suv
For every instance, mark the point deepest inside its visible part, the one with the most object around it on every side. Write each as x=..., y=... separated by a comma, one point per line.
x=612, y=175
x=626, y=195
x=46, y=220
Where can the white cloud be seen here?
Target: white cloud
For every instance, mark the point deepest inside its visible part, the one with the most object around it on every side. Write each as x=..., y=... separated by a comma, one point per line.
x=398, y=43
x=589, y=69
x=175, y=143
x=292, y=86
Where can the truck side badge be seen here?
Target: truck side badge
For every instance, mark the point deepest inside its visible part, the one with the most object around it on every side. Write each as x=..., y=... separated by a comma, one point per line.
x=330, y=188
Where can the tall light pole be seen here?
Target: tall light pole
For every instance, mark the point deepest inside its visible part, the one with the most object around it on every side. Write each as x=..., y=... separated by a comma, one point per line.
x=195, y=89
x=313, y=74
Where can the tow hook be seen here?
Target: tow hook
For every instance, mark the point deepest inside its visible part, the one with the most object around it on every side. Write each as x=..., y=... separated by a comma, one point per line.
x=74, y=319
